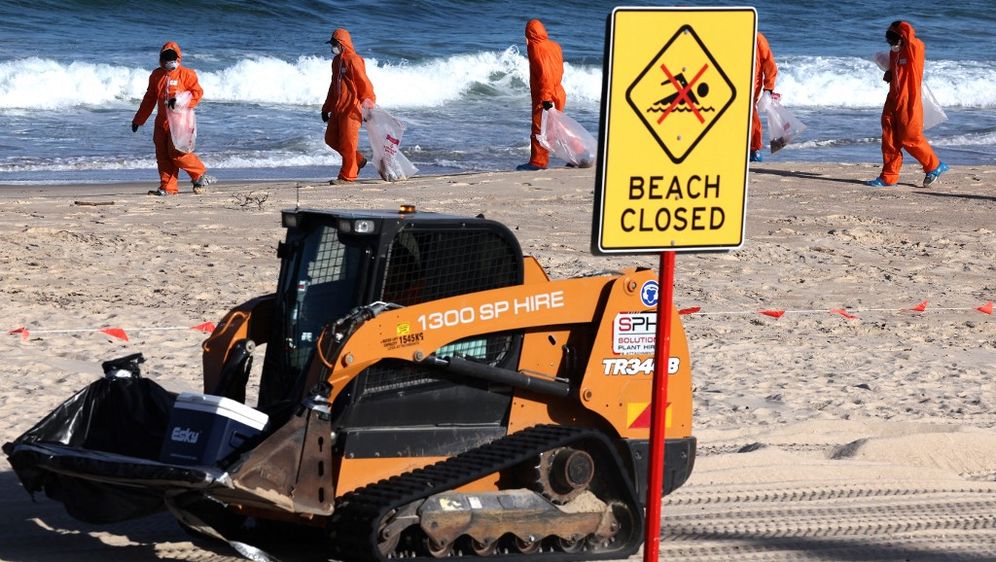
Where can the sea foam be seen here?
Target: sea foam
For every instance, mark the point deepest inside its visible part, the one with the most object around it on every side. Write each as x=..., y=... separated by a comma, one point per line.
x=44, y=84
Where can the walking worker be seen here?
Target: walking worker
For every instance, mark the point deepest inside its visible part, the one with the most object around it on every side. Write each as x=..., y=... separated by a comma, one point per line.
x=902, y=116
x=765, y=71
x=349, y=91
x=165, y=83
x=546, y=71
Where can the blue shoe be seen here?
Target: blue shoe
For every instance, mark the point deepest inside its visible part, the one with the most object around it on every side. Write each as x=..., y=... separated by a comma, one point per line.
x=527, y=167
x=935, y=175
x=755, y=156
x=877, y=182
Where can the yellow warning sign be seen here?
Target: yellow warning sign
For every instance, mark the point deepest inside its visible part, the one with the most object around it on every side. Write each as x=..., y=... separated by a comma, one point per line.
x=675, y=133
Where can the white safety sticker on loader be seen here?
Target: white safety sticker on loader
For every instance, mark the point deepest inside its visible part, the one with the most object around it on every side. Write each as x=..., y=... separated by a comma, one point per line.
x=450, y=504
x=634, y=333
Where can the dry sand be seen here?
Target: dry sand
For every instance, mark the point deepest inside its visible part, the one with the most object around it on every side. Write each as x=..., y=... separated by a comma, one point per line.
x=821, y=438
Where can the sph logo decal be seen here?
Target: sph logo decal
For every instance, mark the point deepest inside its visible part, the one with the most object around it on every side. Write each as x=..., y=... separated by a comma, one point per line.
x=649, y=293
x=634, y=333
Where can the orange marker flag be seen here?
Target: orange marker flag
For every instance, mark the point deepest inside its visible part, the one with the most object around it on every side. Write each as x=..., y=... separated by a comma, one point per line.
x=25, y=334
x=919, y=308
x=986, y=308
x=115, y=333
x=690, y=310
x=843, y=313
x=206, y=327
x=772, y=313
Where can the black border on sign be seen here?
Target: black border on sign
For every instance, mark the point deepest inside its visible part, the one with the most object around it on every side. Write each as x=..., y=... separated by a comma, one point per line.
x=690, y=29
x=603, y=128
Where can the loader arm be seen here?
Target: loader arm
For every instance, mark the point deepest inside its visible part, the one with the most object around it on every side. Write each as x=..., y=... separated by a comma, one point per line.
x=415, y=332
x=250, y=320
x=412, y=333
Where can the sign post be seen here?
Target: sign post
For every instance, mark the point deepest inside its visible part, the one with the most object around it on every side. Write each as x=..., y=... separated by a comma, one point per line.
x=677, y=102
x=658, y=413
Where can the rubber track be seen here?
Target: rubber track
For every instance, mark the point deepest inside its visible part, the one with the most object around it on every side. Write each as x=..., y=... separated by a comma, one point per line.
x=357, y=517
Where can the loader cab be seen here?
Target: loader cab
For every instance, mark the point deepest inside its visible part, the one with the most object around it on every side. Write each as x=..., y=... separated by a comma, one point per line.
x=334, y=261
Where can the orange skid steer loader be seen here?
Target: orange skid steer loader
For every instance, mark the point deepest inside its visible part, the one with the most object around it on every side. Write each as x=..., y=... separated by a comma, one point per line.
x=426, y=392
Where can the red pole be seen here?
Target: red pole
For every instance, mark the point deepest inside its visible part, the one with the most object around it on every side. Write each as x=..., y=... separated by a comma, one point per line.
x=658, y=409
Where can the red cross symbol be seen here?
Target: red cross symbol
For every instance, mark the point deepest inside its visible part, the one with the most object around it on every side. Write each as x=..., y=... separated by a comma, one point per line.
x=682, y=94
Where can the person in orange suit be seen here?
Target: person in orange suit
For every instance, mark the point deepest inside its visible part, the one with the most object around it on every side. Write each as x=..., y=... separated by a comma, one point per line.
x=902, y=115
x=765, y=71
x=349, y=91
x=546, y=70
x=165, y=83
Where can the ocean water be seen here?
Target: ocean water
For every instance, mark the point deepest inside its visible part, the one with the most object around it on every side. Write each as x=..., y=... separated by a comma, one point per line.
x=72, y=74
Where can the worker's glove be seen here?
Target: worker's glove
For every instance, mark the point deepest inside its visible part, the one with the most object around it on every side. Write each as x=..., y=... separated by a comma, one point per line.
x=171, y=102
x=887, y=77
x=325, y=116
x=548, y=104
x=134, y=126
x=774, y=95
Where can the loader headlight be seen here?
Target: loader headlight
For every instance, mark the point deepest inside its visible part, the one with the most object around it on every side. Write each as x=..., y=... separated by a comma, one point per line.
x=359, y=226
x=289, y=220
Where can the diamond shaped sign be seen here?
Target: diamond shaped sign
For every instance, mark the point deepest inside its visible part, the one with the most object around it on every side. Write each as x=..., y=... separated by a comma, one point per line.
x=681, y=94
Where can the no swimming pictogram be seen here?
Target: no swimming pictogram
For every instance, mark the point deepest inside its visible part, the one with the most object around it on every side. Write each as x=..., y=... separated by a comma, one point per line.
x=681, y=94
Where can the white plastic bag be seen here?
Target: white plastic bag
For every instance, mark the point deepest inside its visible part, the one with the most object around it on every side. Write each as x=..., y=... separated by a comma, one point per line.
x=567, y=139
x=933, y=113
x=881, y=58
x=783, y=126
x=182, y=123
x=385, y=132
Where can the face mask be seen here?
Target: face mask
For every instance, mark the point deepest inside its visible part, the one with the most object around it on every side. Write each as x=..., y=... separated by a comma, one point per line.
x=171, y=65
x=336, y=50
x=895, y=48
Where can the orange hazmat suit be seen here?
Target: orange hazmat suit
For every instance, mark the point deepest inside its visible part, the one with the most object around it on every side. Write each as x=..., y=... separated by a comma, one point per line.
x=902, y=115
x=765, y=71
x=546, y=70
x=163, y=85
x=349, y=90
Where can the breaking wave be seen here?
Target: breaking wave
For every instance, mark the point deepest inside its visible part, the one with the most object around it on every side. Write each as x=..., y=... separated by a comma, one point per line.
x=45, y=84
x=35, y=83
x=855, y=82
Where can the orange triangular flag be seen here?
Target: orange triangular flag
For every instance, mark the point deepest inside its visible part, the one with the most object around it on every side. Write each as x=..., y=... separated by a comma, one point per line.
x=116, y=333
x=25, y=334
x=772, y=313
x=206, y=327
x=986, y=308
x=690, y=310
x=920, y=307
x=843, y=313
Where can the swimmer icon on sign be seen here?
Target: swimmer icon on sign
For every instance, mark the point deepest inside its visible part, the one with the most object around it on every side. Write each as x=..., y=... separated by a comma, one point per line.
x=681, y=93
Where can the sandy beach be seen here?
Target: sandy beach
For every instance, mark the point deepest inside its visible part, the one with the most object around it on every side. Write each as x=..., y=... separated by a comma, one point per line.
x=821, y=437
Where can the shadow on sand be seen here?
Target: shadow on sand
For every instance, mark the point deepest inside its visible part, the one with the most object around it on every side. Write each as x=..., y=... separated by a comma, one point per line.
x=42, y=531
x=957, y=195
x=804, y=175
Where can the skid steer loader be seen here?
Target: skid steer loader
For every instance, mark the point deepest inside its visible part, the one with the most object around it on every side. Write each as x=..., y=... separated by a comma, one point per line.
x=426, y=392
